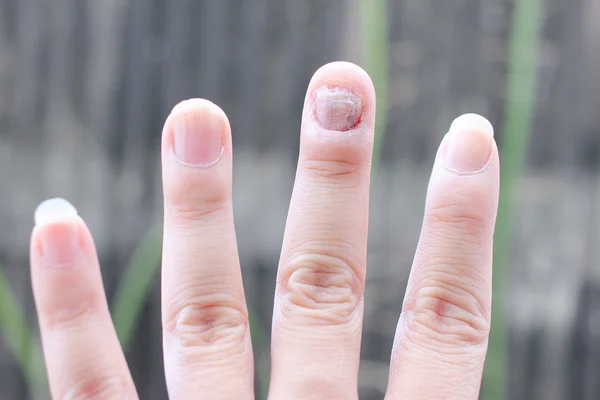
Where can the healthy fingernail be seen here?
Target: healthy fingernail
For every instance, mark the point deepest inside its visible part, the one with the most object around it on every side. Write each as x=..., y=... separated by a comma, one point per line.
x=59, y=237
x=198, y=138
x=469, y=145
x=338, y=108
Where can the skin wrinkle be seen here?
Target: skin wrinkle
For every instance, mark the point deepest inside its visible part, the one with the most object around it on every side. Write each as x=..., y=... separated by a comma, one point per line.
x=359, y=186
x=453, y=388
x=442, y=334
x=337, y=250
x=414, y=337
x=447, y=309
x=319, y=280
x=459, y=355
x=351, y=146
x=207, y=294
x=441, y=273
x=460, y=201
x=72, y=317
x=99, y=388
x=197, y=325
x=461, y=264
x=340, y=172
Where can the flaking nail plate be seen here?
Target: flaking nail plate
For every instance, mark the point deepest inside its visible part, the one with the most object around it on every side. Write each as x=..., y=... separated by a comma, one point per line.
x=338, y=108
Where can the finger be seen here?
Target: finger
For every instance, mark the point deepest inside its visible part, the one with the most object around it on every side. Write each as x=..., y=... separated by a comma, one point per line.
x=317, y=319
x=207, y=346
x=83, y=356
x=442, y=335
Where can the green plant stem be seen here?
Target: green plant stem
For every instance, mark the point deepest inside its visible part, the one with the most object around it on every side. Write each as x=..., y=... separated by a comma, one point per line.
x=260, y=346
x=19, y=338
x=374, y=29
x=518, y=118
x=135, y=286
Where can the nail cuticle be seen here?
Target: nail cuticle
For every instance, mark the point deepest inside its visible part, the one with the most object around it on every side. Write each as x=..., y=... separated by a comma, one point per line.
x=466, y=173
x=200, y=165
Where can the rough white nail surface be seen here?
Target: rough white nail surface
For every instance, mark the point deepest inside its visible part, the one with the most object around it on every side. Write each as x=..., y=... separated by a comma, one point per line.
x=473, y=121
x=52, y=210
x=338, y=108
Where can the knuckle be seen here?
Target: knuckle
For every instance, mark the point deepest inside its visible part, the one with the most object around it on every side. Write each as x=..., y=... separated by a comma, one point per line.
x=457, y=216
x=331, y=169
x=448, y=313
x=98, y=387
x=73, y=314
x=324, y=289
x=197, y=198
x=201, y=211
x=322, y=386
x=204, y=320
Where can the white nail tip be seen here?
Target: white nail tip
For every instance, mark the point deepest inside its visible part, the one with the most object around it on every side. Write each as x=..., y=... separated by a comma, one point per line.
x=473, y=121
x=53, y=210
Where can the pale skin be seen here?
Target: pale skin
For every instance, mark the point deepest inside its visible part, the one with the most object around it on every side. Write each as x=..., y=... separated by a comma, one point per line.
x=441, y=337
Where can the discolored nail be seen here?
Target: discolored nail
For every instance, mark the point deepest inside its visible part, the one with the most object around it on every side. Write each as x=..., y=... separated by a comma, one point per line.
x=59, y=234
x=338, y=108
x=469, y=145
x=198, y=137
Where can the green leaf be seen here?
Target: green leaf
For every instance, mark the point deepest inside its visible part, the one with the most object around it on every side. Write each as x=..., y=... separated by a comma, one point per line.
x=518, y=118
x=260, y=345
x=374, y=29
x=135, y=286
x=19, y=338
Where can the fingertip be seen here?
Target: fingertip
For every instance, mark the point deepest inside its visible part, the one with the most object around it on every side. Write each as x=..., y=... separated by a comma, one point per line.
x=60, y=236
x=469, y=146
x=472, y=121
x=354, y=84
x=340, y=71
x=196, y=109
x=197, y=132
x=53, y=210
x=196, y=105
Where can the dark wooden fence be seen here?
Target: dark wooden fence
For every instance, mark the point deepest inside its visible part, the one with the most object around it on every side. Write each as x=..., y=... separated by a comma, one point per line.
x=86, y=84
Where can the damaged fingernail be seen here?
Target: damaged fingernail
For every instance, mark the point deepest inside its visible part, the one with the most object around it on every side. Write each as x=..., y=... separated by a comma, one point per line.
x=338, y=108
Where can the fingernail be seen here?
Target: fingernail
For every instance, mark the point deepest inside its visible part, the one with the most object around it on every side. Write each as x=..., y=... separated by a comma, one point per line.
x=469, y=145
x=338, y=108
x=59, y=237
x=198, y=138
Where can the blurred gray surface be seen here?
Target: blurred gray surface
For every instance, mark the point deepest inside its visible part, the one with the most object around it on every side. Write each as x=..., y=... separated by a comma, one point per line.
x=85, y=86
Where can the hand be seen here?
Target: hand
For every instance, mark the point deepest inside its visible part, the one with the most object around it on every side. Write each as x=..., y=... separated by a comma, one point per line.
x=442, y=335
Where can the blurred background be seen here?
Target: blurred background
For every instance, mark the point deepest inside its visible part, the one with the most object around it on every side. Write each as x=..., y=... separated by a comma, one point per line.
x=85, y=86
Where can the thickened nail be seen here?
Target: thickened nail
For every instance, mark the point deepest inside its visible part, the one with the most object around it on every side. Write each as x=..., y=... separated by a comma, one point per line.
x=338, y=108
x=59, y=238
x=469, y=145
x=198, y=136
